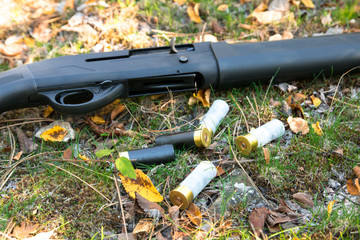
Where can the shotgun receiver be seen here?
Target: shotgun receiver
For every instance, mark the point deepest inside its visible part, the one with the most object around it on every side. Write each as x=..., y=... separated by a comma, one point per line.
x=86, y=82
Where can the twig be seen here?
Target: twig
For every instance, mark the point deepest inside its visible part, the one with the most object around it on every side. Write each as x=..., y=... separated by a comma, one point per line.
x=338, y=100
x=12, y=146
x=120, y=202
x=249, y=178
x=80, y=180
x=6, y=236
x=246, y=123
x=26, y=119
x=267, y=90
x=28, y=122
x=257, y=108
x=90, y=169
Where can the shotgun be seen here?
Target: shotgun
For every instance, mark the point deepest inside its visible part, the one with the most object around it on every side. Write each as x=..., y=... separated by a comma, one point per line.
x=86, y=82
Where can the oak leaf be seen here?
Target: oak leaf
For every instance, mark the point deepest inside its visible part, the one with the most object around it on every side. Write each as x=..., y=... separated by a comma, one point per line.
x=141, y=185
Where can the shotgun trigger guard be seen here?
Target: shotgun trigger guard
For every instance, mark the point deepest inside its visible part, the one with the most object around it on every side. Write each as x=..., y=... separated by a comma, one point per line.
x=84, y=100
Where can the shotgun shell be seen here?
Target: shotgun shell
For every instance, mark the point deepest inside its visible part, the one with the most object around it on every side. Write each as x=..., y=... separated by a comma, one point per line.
x=198, y=138
x=260, y=136
x=193, y=184
x=215, y=115
x=153, y=155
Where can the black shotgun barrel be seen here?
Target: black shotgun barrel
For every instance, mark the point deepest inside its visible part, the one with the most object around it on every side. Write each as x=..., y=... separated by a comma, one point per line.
x=241, y=64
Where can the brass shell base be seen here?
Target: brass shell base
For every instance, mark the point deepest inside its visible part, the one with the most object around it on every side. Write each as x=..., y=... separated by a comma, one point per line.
x=246, y=143
x=202, y=137
x=181, y=196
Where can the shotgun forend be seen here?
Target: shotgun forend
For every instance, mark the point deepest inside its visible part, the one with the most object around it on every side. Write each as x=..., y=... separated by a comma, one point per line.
x=86, y=82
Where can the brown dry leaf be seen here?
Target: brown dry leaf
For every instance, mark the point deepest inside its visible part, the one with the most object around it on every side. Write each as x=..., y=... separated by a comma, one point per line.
x=246, y=26
x=109, y=108
x=69, y=4
x=24, y=230
x=98, y=119
x=340, y=151
x=180, y=2
x=18, y=156
x=154, y=210
x=142, y=185
x=192, y=101
x=174, y=213
x=266, y=155
x=267, y=17
x=119, y=109
x=298, y=125
x=295, y=98
x=356, y=170
x=55, y=134
x=222, y=7
x=220, y=171
x=193, y=12
x=194, y=214
x=257, y=219
x=352, y=188
x=204, y=96
x=156, y=96
x=308, y=3
x=260, y=8
x=144, y=226
x=216, y=27
x=29, y=42
x=357, y=184
x=315, y=101
x=304, y=199
x=317, y=128
x=275, y=218
x=27, y=145
x=49, y=110
x=67, y=154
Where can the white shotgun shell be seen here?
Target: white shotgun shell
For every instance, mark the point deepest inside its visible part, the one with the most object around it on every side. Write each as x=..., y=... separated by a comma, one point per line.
x=260, y=136
x=215, y=115
x=193, y=184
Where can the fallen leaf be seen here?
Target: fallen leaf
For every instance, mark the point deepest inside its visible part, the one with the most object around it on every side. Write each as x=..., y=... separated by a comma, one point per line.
x=58, y=131
x=27, y=145
x=194, y=214
x=192, y=101
x=216, y=27
x=308, y=3
x=180, y=2
x=152, y=209
x=142, y=185
x=317, y=128
x=204, y=96
x=351, y=187
x=357, y=184
x=11, y=50
x=330, y=207
x=143, y=226
x=266, y=155
x=209, y=38
x=296, y=98
x=55, y=134
x=24, y=230
x=304, y=199
x=104, y=152
x=222, y=7
x=69, y=4
x=257, y=219
x=340, y=151
x=220, y=171
x=174, y=213
x=67, y=154
x=83, y=157
x=279, y=5
x=267, y=17
x=286, y=87
x=109, y=108
x=98, y=119
x=356, y=170
x=48, y=111
x=274, y=218
x=193, y=12
x=246, y=26
x=275, y=37
x=125, y=167
x=119, y=109
x=298, y=125
x=260, y=8
x=315, y=101
x=287, y=35
x=17, y=156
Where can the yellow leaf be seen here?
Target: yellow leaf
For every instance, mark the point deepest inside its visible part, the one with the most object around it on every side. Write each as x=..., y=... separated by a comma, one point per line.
x=317, y=128
x=193, y=12
x=194, y=214
x=142, y=185
x=330, y=207
x=352, y=188
x=97, y=119
x=180, y=2
x=109, y=108
x=223, y=7
x=316, y=101
x=204, y=96
x=48, y=111
x=308, y=3
x=83, y=157
x=30, y=42
x=55, y=134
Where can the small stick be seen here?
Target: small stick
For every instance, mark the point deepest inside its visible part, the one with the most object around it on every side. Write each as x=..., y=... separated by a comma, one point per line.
x=120, y=202
x=28, y=122
x=246, y=123
x=26, y=119
x=338, y=100
x=12, y=146
x=257, y=108
x=6, y=236
x=80, y=180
